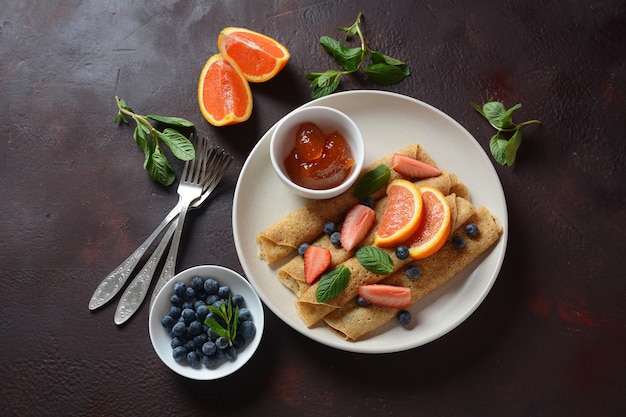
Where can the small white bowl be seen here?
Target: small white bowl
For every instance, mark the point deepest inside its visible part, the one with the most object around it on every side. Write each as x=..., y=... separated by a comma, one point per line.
x=161, y=340
x=328, y=119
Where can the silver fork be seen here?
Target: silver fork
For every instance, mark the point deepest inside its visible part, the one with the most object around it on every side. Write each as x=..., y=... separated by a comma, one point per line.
x=115, y=280
x=136, y=291
x=221, y=161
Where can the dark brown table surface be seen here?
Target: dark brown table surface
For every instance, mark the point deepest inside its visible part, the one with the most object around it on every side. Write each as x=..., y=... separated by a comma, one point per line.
x=549, y=339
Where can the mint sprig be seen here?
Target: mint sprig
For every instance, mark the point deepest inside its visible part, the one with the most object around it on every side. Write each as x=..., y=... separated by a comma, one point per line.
x=508, y=138
x=382, y=69
x=332, y=283
x=149, y=139
x=229, y=319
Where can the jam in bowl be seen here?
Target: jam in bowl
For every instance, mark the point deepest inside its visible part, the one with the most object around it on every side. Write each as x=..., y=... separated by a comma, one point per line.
x=317, y=151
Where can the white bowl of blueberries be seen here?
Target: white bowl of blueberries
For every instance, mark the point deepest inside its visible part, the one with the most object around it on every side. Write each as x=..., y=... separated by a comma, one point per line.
x=206, y=322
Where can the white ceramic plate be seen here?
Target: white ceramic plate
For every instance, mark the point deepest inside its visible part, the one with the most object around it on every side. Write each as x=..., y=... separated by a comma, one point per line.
x=388, y=122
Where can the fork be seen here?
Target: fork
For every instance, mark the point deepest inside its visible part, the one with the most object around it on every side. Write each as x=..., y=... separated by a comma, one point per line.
x=136, y=291
x=220, y=161
x=116, y=279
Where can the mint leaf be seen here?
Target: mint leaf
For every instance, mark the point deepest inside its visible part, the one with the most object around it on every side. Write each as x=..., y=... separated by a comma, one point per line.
x=147, y=138
x=229, y=318
x=159, y=167
x=372, y=181
x=384, y=70
x=375, y=260
x=385, y=74
x=332, y=283
x=504, y=144
x=180, y=146
x=498, y=115
x=172, y=121
x=348, y=58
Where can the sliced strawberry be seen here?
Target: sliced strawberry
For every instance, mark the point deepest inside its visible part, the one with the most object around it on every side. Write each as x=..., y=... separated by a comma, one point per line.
x=392, y=296
x=412, y=168
x=356, y=226
x=316, y=261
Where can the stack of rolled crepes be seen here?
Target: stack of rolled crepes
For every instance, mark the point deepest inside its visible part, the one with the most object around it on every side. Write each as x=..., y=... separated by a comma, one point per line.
x=343, y=314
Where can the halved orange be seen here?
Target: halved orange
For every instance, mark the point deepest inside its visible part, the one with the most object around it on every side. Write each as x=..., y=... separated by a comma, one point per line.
x=259, y=56
x=434, y=227
x=402, y=214
x=224, y=94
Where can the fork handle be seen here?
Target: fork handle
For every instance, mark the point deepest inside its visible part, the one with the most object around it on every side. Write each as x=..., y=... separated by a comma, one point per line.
x=170, y=263
x=138, y=288
x=113, y=282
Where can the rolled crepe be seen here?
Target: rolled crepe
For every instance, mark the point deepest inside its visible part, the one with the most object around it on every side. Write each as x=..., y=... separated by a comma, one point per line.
x=291, y=275
x=305, y=223
x=311, y=311
x=353, y=321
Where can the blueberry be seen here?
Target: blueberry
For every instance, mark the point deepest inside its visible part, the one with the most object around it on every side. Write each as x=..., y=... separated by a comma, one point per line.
x=179, y=353
x=330, y=228
x=238, y=301
x=200, y=339
x=190, y=294
x=471, y=229
x=223, y=292
x=186, y=304
x=193, y=359
x=209, y=348
x=197, y=304
x=195, y=328
x=174, y=312
x=175, y=300
x=189, y=345
x=211, y=286
x=179, y=329
x=179, y=289
x=211, y=299
x=402, y=252
x=245, y=314
x=302, y=248
x=369, y=202
x=196, y=283
x=221, y=343
x=458, y=242
x=335, y=239
x=188, y=315
x=362, y=301
x=218, y=304
x=239, y=341
x=231, y=353
x=247, y=329
x=404, y=317
x=209, y=361
x=201, y=312
x=168, y=321
x=211, y=335
x=413, y=272
x=176, y=341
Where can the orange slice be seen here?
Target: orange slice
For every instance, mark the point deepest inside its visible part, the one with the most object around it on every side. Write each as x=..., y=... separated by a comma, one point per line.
x=259, y=56
x=434, y=227
x=224, y=94
x=402, y=214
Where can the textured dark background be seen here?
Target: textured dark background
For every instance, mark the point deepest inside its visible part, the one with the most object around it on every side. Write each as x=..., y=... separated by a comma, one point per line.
x=74, y=202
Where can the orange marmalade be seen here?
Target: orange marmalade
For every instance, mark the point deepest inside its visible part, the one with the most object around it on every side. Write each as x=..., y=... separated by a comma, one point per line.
x=319, y=161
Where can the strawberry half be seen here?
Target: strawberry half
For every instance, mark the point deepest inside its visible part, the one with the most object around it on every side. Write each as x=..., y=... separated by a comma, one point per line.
x=392, y=296
x=356, y=226
x=316, y=261
x=412, y=168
